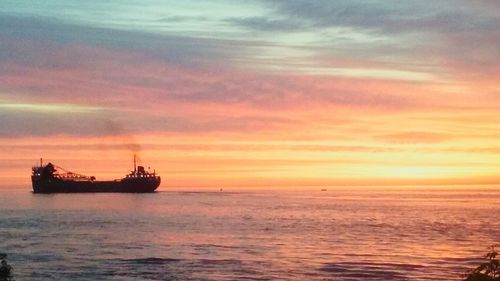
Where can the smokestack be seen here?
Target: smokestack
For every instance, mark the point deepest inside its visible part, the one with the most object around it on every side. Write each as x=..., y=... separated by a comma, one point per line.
x=41, y=163
x=135, y=166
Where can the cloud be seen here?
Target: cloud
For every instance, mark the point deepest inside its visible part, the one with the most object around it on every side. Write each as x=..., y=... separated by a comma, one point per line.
x=43, y=120
x=415, y=137
x=179, y=50
x=268, y=25
x=172, y=83
x=19, y=123
x=387, y=16
x=450, y=39
x=80, y=62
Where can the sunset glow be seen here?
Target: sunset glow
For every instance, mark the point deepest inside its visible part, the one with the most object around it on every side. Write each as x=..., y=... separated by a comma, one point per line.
x=261, y=94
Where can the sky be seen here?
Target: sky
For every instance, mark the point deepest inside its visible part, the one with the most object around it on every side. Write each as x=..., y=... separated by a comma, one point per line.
x=255, y=93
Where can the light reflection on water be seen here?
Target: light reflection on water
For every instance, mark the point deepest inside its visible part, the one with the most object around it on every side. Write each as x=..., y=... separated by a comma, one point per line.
x=262, y=235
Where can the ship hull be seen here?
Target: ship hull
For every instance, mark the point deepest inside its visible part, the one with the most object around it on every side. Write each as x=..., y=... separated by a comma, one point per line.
x=130, y=185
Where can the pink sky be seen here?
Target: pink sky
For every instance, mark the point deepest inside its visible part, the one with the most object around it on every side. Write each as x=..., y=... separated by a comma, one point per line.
x=259, y=94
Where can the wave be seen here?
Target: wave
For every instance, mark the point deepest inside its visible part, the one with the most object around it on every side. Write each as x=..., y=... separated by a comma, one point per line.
x=150, y=260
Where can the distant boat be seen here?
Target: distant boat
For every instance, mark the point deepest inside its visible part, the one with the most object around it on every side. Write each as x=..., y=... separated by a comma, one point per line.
x=323, y=189
x=47, y=179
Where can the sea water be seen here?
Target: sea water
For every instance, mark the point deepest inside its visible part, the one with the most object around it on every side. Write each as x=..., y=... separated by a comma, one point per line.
x=338, y=234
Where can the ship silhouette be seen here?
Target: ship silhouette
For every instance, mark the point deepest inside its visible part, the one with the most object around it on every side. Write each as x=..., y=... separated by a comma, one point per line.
x=49, y=179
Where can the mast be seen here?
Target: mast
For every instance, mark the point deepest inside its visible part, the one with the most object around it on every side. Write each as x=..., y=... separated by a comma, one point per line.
x=135, y=166
x=41, y=163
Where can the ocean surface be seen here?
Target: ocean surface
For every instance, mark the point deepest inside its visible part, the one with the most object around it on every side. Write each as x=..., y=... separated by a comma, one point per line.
x=338, y=234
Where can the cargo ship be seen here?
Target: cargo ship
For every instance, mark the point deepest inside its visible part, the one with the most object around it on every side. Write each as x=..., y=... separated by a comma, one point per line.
x=53, y=179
